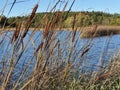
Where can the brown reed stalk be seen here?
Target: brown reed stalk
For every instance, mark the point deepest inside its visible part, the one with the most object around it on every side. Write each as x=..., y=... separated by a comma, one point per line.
x=12, y=6
x=29, y=22
x=45, y=31
x=54, y=47
x=103, y=76
x=16, y=32
x=55, y=5
x=95, y=30
x=74, y=21
x=7, y=79
x=74, y=34
x=8, y=12
x=55, y=21
x=40, y=46
x=61, y=16
x=4, y=8
x=69, y=9
x=85, y=51
x=32, y=79
x=51, y=38
x=73, y=28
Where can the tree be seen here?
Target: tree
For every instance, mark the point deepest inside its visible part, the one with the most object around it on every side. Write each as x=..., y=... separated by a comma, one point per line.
x=2, y=20
x=68, y=22
x=12, y=21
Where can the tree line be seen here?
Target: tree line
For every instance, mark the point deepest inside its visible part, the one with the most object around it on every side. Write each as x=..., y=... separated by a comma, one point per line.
x=83, y=18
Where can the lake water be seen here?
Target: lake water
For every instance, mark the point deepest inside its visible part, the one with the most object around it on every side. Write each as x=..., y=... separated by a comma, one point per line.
x=92, y=58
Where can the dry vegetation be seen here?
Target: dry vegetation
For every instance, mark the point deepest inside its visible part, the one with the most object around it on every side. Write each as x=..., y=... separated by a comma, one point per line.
x=52, y=69
x=88, y=32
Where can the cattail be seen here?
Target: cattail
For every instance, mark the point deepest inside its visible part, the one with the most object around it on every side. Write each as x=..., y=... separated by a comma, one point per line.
x=102, y=76
x=73, y=25
x=16, y=32
x=85, y=51
x=45, y=34
x=56, y=18
x=40, y=46
x=74, y=33
x=30, y=20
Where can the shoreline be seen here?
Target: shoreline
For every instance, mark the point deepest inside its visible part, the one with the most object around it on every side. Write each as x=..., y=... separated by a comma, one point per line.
x=12, y=29
x=86, y=32
x=78, y=28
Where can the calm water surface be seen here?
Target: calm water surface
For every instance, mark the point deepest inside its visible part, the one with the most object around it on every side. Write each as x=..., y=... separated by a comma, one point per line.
x=91, y=58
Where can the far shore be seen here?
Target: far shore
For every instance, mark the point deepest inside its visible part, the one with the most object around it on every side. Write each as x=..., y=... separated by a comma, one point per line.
x=87, y=32
x=12, y=29
x=88, y=28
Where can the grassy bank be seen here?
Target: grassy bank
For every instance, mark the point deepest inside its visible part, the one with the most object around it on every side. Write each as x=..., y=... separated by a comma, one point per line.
x=97, y=31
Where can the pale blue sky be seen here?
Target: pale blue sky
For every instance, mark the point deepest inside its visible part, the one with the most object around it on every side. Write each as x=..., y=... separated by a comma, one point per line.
x=24, y=8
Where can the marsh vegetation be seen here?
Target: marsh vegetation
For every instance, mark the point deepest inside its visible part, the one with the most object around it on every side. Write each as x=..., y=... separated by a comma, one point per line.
x=55, y=60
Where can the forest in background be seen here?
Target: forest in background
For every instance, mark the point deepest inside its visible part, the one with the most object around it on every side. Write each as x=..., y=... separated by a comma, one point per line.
x=83, y=18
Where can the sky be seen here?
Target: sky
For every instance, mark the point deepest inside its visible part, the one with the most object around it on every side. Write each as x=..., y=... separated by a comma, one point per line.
x=24, y=7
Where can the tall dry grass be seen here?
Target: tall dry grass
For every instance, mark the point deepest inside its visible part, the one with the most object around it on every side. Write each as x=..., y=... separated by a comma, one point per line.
x=51, y=70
